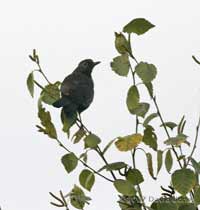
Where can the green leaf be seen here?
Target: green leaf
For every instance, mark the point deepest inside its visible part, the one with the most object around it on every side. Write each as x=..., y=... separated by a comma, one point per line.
x=108, y=146
x=48, y=127
x=70, y=161
x=149, y=87
x=113, y=166
x=30, y=83
x=197, y=196
x=165, y=203
x=78, y=198
x=177, y=141
x=92, y=141
x=128, y=143
x=195, y=165
x=78, y=135
x=134, y=176
x=120, y=65
x=150, y=165
x=159, y=160
x=141, y=109
x=51, y=93
x=133, y=98
x=181, y=201
x=138, y=26
x=124, y=187
x=188, y=206
x=146, y=72
x=84, y=156
x=129, y=203
x=86, y=179
x=121, y=43
x=170, y=125
x=150, y=137
x=168, y=161
x=149, y=118
x=183, y=180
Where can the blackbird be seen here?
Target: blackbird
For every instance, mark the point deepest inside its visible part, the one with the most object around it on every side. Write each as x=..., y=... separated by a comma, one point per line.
x=77, y=89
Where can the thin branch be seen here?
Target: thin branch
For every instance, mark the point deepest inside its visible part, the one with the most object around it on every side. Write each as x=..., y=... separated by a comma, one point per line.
x=138, y=186
x=195, y=142
x=85, y=164
x=164, y=126
x=40, y=86
x=134, y=166
x=98, y=150
x=43, y=74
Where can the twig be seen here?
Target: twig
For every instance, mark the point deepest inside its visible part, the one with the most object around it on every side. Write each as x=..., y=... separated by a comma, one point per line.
x=195, y=142
x=138, y=186
x=85, y=164
x=43, y=74
x=163, y=123
x=136, y=131
x=98, y=150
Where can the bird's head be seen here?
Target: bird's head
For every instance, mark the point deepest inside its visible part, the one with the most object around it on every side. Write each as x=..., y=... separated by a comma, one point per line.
x=86, y=66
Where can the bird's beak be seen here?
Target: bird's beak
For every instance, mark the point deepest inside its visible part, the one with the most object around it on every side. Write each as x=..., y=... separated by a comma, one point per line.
x=96, y=63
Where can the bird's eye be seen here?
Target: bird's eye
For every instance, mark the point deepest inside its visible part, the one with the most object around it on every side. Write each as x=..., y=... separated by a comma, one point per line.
x=85, y=64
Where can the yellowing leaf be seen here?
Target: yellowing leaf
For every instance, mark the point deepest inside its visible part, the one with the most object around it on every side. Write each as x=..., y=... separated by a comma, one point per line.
x=177, y=141
x=129, y=142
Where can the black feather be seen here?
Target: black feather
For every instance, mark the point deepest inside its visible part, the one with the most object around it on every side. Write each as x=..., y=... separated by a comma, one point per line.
x=77, y=89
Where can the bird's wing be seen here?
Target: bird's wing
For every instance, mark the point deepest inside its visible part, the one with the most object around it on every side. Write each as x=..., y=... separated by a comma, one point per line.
x=79, y=88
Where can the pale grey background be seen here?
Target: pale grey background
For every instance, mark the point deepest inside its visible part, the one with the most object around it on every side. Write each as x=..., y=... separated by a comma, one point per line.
x=64, y=32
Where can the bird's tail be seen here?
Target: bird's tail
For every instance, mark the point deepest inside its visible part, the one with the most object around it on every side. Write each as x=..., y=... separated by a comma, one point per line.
x=69, y=112
x=64, y=101
x=69, y=108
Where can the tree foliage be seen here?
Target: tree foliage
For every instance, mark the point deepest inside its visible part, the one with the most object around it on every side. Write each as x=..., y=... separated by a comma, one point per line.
x=126, y=178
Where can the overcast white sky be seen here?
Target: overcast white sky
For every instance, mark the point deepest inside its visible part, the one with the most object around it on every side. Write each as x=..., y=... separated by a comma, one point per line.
x=64, y=32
